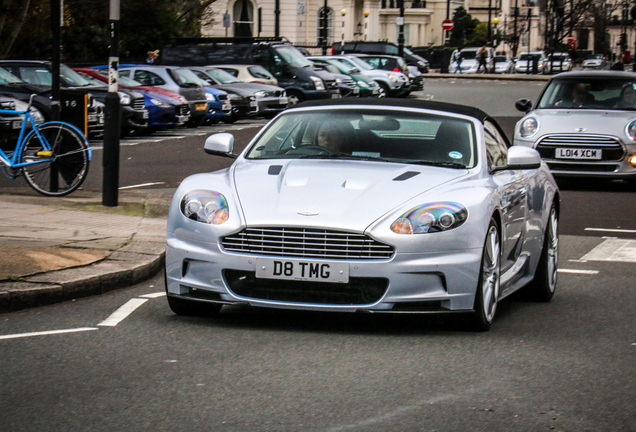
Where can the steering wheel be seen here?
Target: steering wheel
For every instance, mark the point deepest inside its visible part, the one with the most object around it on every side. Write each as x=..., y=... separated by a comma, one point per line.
x=310, y=149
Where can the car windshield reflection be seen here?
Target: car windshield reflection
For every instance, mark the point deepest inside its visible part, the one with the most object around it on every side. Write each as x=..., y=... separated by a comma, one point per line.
x=366, y=134
x=604, y=94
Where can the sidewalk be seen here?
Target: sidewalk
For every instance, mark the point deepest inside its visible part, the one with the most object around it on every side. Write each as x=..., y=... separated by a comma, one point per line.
x=56, y=249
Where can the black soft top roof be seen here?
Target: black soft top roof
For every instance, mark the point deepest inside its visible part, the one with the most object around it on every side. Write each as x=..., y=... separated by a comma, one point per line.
x=404, y=103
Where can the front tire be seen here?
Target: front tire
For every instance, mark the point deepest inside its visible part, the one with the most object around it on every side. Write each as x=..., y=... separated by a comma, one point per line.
x=543, y=286
x=488, y=286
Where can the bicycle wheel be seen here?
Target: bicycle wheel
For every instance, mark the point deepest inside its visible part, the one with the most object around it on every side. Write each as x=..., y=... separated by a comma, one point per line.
x=61, y=170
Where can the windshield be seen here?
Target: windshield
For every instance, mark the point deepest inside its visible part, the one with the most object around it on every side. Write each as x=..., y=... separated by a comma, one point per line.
x=530, y=56
x=7, y=77
x=360, y=64
x=595, y=56
x=606, y=94
x=359, y=133
x=501, y=59
x=469, y=55
x=222, y=76
x=259, y=72
x=73, y=79
x=185, y=77
x=292, y=56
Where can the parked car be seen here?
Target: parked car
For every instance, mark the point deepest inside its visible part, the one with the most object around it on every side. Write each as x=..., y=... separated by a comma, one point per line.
x=280, y=58
x=166, y=109
x=393, y=84
x=583, y=125
x=133, y=111
x=261, y=99
x=367, y=86
x=595, y=61
x=249, y=73
x=387, y=48
x=560, y=62
x=15, y=87
x=418, y=185
x=10, y=123
x=176, y=79
x=347, y=86
x=526, y=61
x=503, y=64
x=393, y=64
x=470, y=62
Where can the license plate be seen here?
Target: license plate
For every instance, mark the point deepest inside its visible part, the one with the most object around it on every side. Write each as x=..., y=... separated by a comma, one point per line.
x=284, y=101
x=575, y=153
x=375, y=92
x=253, y=104
x=16, y=124
x=201, y=106
x=182, y=119
x=145, y=115
x=291, y=269
x=356, y=90
x=335, y=96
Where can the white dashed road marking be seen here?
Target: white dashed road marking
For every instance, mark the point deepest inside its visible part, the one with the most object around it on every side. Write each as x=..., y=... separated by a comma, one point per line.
x=46, y=333
x=576, y=271
x=614, y=230
x=613, y=249
x=122, y=313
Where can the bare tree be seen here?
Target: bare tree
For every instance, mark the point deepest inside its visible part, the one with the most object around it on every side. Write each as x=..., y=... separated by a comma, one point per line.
x=13, y=15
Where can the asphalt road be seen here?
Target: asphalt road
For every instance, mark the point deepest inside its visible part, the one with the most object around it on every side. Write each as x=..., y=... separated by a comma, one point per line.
x=568, y=365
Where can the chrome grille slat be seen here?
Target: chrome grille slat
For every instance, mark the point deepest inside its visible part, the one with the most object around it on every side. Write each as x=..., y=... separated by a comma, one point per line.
x=307, y=243
x=580, y=140
x=139, y=104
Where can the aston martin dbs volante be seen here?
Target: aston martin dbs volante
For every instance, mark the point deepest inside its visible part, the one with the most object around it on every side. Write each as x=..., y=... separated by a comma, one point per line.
x=400, y=206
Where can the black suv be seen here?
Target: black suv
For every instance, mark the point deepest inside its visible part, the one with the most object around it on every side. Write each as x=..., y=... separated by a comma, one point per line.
x=134, y=114
x=387, y=48
x=292, y=70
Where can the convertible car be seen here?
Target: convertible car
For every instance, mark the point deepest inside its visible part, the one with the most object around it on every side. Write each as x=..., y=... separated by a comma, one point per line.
x=392, y=206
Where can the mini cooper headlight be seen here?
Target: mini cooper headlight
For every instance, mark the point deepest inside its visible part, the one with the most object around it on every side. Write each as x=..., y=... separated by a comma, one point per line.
x=124, y=98
x=160, y=104
x=432, y=217
x=529, y=127
x=363, y=84
x=210, y=97
x=631, y=129
x=205, y=206
x=261, y=93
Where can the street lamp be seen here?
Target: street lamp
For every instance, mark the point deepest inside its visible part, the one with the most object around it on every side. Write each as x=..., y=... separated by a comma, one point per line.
x=495, y=21
x=343, y=12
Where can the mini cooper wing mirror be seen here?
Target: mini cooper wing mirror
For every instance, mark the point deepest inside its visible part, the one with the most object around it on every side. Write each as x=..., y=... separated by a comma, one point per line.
x=220, y=144
x=523, y=105
x=520, y=157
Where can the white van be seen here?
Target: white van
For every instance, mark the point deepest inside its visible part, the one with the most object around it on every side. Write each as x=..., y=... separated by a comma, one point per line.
x=469, y=60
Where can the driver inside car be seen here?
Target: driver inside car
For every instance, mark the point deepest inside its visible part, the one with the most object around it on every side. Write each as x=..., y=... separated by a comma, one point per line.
x=333, y=136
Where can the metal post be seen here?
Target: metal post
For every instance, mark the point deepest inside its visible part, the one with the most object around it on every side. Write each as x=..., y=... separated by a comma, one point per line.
x=401, y=30
x=55, y=80
x=516, y=38
x=445, y=53
x=324, y=28
x=489, y=18
x=276, y=19
x=110, y=162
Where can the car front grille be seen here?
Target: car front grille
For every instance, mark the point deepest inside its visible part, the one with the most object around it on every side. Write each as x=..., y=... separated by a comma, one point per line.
x=182, y=110
x=611, y=147
x=358, y=291
x=138, y=104
x=306, y=243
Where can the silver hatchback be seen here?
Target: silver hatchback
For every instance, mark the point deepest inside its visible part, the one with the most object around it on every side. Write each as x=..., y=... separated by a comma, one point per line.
x=584, y=125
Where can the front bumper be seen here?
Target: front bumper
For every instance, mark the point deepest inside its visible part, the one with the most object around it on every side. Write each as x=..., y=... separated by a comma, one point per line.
x=426, y=282
x=272, y=104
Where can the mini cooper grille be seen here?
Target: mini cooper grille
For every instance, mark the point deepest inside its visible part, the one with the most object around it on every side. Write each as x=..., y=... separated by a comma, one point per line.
x=138, y=104
x=306, y=243
x=611, y=147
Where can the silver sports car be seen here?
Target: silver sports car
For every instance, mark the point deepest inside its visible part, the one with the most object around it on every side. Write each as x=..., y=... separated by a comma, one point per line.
x=584, y=125
x=366, y=206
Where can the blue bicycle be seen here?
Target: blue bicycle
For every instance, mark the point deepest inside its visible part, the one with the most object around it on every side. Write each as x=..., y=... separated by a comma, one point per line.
x=53, y=156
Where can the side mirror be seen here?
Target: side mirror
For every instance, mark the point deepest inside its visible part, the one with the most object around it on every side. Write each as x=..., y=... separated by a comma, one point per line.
x=520, y=157
x=220, y=144
x=523, y=105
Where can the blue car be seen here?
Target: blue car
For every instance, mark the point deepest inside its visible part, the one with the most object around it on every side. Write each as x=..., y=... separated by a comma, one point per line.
x=219, y=105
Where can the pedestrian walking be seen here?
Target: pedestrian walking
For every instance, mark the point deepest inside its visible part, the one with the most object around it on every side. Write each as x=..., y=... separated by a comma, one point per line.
x=482, y=58
x=457, y=59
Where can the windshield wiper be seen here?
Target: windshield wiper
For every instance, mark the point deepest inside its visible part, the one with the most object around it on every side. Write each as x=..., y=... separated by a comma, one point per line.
x=345, y=156
x=437, y=163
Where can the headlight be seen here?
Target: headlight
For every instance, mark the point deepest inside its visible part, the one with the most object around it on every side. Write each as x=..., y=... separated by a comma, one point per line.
x=210, y=97
x=529, y=127
x=363, y=84
x=205, y=206
x=233, y=96
x=124, y=98
x=631, y=129
x=320, y=85
x=429, y=218
x=261, y=93
x=159, y=103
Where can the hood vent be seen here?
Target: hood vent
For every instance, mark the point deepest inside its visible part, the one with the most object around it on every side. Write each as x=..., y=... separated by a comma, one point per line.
x=405, y=176
x=274, y=169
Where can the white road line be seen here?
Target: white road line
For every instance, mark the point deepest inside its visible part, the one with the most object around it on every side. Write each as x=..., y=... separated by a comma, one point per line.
x=120, y=314
x=141, y=185
x=628, y=231
x=46, y=333
x=588, y=272
x=154, y=295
